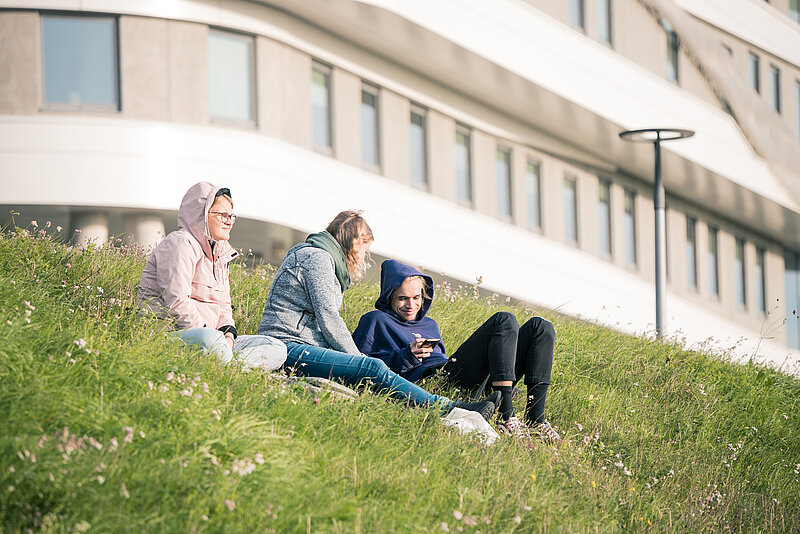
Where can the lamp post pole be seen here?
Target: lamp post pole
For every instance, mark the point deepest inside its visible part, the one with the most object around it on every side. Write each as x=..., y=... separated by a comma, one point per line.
x=656, y=136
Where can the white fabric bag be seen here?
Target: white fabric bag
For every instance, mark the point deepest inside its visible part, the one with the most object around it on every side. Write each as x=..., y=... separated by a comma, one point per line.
x=467, y=422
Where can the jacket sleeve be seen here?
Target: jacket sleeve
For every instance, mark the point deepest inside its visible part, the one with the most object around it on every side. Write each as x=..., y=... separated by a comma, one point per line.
x=175, y=270
x=225, y=308
x=325, y=294
x=399, y=359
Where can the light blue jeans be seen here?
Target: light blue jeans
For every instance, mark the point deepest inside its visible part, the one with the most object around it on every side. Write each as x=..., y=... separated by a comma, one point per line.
x=310, y=360
x=257, y=352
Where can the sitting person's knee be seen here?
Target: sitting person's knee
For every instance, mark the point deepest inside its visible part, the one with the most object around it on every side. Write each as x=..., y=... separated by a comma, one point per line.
x=548, y=329
x=542, y=327
x=376, y=367
x=506, y=319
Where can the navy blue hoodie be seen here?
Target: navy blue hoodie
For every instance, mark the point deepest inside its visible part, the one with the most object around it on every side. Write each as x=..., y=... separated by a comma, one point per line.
x=382, y=334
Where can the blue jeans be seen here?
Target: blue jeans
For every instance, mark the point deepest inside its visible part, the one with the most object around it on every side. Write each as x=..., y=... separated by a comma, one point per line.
x=310, y=360
x=258, y=352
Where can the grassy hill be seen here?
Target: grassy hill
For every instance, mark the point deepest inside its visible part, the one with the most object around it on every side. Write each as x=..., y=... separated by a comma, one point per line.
x=108, y=426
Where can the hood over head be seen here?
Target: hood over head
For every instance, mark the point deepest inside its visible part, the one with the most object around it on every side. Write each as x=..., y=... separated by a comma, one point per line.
x=193, y=213
x=393, y=274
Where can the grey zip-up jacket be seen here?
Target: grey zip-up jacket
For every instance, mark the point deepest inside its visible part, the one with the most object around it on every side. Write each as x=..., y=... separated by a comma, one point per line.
x=304, y=302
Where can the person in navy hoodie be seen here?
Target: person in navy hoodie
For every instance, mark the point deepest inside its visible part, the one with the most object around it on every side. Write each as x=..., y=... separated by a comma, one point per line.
x=499, y=352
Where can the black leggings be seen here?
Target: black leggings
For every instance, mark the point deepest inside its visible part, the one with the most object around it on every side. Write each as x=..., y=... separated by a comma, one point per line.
x=502, y=350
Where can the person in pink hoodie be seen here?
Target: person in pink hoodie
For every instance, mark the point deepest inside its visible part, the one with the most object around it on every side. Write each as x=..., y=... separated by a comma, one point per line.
x=185, y=282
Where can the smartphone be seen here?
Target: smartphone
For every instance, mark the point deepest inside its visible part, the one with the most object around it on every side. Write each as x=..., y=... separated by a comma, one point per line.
x=430, y=343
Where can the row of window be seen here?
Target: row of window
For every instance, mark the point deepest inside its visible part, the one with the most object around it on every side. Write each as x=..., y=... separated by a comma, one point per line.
x=740, y=276
x=321, y=91
x=321, y=124
x=81, y=67
x=577, y=18
x=753, y=72
x=754, y=78
x=794, y=10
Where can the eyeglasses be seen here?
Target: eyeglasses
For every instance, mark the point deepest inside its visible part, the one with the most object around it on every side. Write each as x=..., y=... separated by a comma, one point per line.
x=224, y=217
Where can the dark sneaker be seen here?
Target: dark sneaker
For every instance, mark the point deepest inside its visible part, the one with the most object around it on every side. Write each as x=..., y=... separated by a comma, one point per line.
x=545, y=432
x=516, y=430
x=485, y=408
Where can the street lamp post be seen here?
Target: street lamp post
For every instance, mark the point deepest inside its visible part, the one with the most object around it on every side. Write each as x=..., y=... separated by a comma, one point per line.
x=656, y=136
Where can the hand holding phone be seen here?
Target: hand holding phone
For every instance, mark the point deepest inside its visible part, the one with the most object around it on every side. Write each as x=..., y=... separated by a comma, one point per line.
x=422, y=348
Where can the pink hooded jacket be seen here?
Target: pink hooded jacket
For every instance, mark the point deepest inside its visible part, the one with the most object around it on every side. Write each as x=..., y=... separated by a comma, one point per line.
x=186, y=276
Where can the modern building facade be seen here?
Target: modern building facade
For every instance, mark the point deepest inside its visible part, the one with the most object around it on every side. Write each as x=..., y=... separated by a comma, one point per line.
x=480, y=138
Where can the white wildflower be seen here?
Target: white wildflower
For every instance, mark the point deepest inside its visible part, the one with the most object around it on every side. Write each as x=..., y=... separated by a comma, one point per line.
x=243, y=467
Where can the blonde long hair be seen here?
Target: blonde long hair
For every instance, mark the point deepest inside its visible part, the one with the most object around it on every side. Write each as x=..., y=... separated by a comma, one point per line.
x=346, y=227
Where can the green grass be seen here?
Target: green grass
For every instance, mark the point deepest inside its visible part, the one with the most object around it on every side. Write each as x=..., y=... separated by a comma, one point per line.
x=131, y=432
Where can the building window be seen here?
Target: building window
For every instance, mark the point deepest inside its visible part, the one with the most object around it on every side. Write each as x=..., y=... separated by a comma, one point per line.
x=417, y=137
x=691, y=253
x=629, y=223
x=370, y=144
x=794, y=10
x=740, y=274
x=673, y=48
x=713, y=262
x=570, y=200
x=502, y=171
x=775, y=88
x=463, y=166
x=754, y=72
x=797, y=108
x=604, y=25
x=533, y=194
x=604, y=218
x=80, y=62
x=577, y=14
x=760, y=276
x=321, y=106
x=792, y=274
x=230, y=77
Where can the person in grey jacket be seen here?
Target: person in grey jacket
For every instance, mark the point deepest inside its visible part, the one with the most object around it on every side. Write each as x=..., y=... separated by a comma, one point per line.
x=302, y=310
